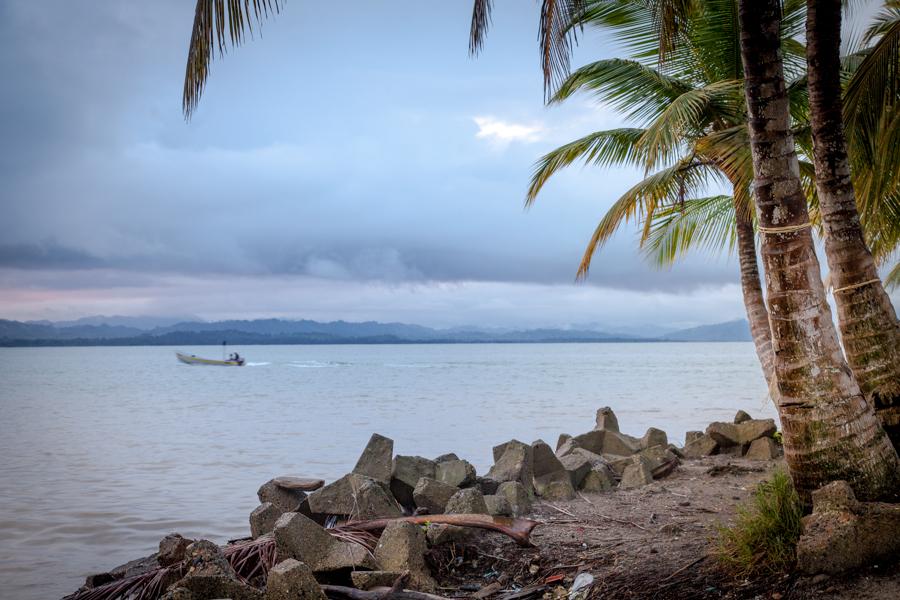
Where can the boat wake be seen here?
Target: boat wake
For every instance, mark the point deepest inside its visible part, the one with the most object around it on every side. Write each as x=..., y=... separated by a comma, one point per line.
x=257, y=364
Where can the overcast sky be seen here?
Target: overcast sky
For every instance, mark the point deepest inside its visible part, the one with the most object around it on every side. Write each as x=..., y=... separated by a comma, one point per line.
x=351, y=162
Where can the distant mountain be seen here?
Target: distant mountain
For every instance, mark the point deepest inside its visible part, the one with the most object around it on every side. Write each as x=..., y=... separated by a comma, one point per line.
x=732, y=331
x=143, y=323
x=94, y=331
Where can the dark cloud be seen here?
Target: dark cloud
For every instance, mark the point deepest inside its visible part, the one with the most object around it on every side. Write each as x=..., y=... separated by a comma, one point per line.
x=336, y=153
x=46, y=255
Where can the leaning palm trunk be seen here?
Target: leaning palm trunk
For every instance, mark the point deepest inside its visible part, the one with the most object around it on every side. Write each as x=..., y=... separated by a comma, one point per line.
x=830, y=431
x=754, y=302
x=869, y=328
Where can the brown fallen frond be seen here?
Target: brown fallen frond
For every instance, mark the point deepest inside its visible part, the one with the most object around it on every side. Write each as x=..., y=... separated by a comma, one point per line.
x=517, y=529
x=339, y=592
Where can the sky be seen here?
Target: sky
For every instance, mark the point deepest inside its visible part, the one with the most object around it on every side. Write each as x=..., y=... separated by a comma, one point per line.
x=350, y=162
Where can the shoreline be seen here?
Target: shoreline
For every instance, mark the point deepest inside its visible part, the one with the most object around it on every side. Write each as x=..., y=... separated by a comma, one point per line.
x=649, y=526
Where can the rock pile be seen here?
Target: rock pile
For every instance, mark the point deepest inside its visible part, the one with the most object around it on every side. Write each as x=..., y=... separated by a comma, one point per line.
x=744, y=437
x=289, y=528
x=843, y=534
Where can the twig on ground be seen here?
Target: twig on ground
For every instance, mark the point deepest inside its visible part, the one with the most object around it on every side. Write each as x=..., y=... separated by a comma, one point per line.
x=562, y=510
x=684, y=568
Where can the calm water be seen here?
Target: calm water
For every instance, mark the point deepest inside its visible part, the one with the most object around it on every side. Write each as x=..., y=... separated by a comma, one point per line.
x=105, y=450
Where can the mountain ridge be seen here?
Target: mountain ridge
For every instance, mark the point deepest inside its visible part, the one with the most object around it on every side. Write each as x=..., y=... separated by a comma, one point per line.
x=94, y=332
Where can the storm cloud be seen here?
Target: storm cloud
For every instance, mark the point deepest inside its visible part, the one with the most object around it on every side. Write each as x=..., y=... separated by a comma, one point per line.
x=342, y=149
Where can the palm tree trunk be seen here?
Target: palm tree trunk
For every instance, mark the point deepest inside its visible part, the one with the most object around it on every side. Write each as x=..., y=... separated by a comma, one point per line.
x=869, y=328
x=830, y=431
x=754, y=302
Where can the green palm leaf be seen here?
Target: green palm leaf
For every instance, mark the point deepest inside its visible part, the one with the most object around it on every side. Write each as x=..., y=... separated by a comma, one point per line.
x=603, y=148
x=706, y=223
x=670, y=186
x=637, y=90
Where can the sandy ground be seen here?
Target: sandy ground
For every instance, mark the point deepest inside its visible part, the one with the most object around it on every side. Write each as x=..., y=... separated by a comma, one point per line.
x=651, y=542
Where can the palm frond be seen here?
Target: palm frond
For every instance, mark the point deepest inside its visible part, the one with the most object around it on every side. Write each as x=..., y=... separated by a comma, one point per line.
x=638, y=91
x=892, y=280
x=875, y=84
x=481, y=22
x=603, y=148
x=557, y=36
x=689, y=115
x=707, y=223
x=216, y=24
x=669, y=21
x=673, y=185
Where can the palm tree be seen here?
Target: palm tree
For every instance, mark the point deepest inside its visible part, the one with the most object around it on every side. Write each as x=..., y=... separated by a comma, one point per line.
x=694, y=116
x=667, y=225
x=830, y=430
x=869, y=328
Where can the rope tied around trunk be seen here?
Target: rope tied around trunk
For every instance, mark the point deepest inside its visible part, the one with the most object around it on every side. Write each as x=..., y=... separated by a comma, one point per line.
x=785, y=229
x=856, y=285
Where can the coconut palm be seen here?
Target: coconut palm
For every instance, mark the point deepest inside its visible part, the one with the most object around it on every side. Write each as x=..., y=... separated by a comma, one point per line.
x=693, y=116
x=868, y=324
x=675, y=227
x=830, y=430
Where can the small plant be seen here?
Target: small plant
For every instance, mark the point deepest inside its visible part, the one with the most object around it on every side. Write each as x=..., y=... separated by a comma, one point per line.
x=763, y=538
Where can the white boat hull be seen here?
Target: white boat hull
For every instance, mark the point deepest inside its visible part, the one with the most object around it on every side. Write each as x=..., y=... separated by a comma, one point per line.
x=190, y=359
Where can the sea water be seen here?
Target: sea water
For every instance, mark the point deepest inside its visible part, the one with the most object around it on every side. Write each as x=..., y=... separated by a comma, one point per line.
x=105, y=450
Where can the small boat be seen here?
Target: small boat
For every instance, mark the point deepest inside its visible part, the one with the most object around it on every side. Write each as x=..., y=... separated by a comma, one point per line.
x=196, y=360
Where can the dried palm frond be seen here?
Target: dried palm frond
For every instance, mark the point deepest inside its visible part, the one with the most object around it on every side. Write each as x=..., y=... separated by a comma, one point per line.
x=481, y=22
x=216, y=24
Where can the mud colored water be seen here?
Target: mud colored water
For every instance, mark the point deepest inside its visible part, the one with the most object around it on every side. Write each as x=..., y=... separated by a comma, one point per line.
x=103, y=451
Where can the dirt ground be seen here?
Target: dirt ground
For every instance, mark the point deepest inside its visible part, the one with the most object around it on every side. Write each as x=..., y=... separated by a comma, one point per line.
x=650, y=542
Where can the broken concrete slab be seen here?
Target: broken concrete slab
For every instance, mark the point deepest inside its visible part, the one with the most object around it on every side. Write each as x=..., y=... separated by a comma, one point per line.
x=654, y=437
x=263, y=518
x=762, y=449
x=209, y=575
x=555, y=486
x=467, y=501
x=843, y=534
x=302, y=539
x=592, y=441
x=544, y=461
x=402, y=547
x=356, y=496
x=515, y=464
x=562, y=439
x=172, y=549
x=599, y=479
x=637, y=474
x=458, y=473
x=406, y=473
x=292, y=580
x=577, y=465
x=446, y=457
x=304, y=484
x=619, y=444
x=433, y=495
x=517, y=498
x=617, y=463
x=376, y=460
x=606, y=419
x=730, y=434
x=497, y=505
x=700, y=447
x=690, y=436
x=367, y=580
x=286, y=500
x=741, y=416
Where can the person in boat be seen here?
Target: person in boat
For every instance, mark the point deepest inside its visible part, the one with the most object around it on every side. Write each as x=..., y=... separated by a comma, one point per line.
x=236, y=357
